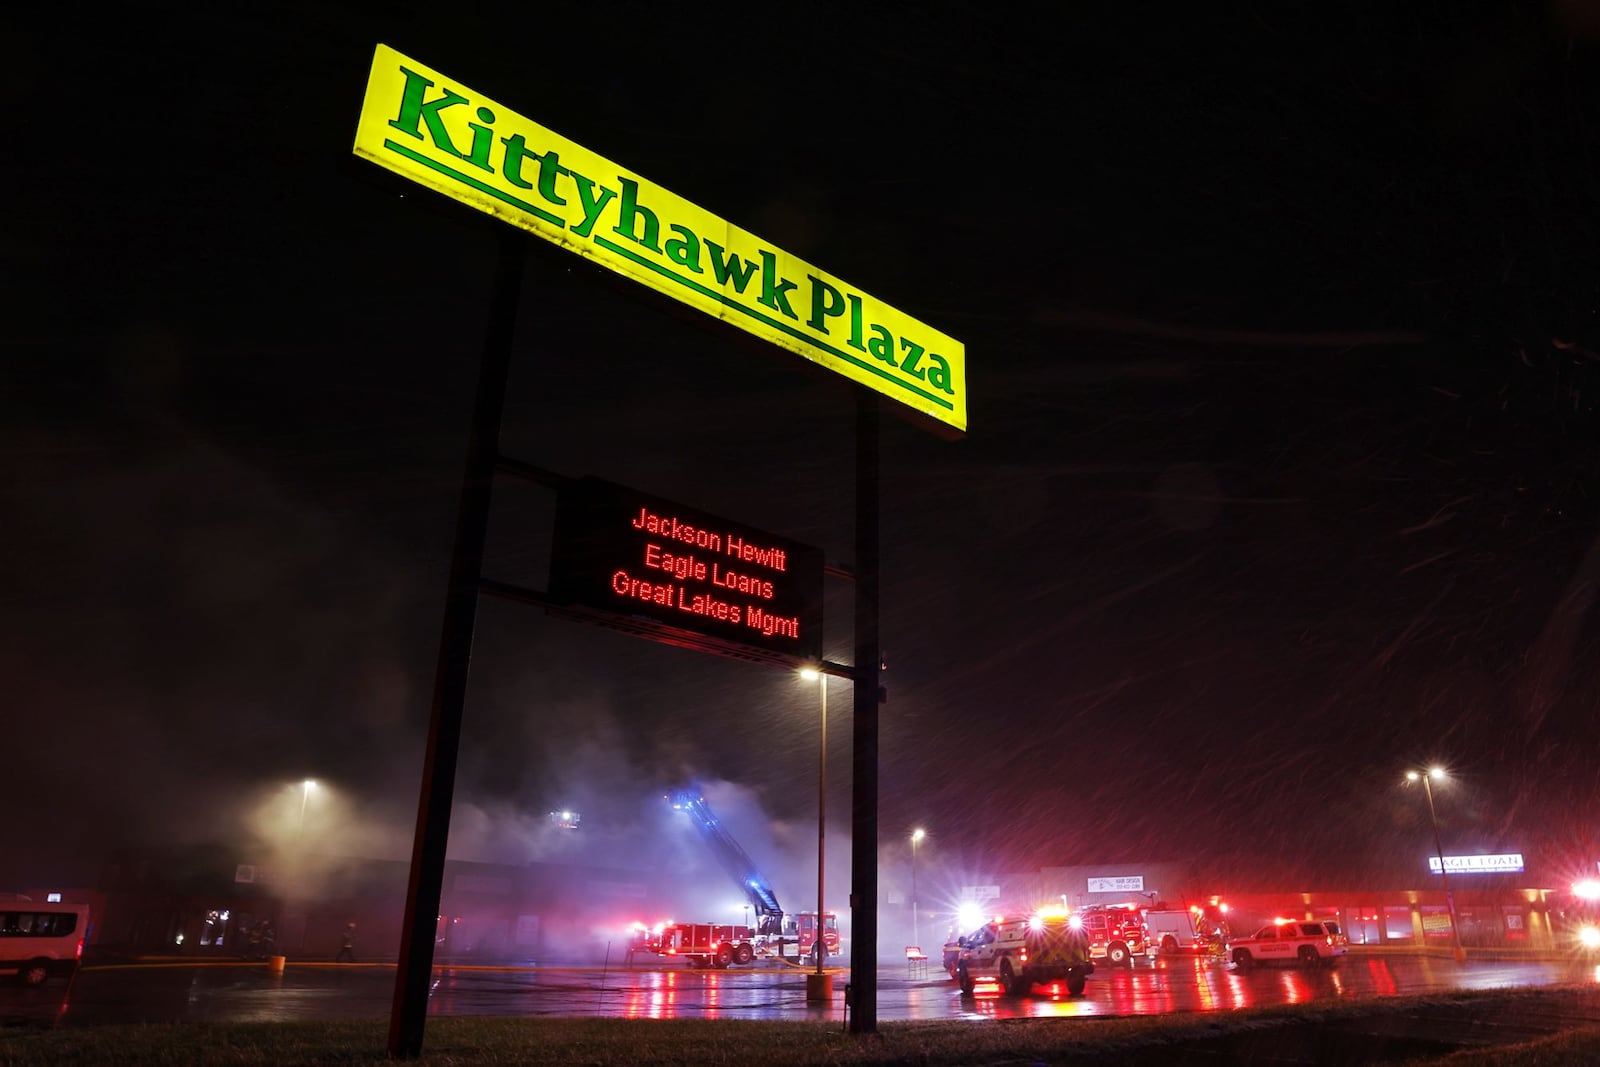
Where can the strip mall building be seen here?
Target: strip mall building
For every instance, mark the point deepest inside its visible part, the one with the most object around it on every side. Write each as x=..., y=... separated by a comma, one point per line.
x=1497, y=907
x=201, y=901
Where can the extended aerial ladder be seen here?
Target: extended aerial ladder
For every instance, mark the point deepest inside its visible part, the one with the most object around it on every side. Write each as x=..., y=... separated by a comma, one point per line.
x=734, y=859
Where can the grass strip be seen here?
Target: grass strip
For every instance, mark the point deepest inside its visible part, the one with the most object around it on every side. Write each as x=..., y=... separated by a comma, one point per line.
x=474, y=1042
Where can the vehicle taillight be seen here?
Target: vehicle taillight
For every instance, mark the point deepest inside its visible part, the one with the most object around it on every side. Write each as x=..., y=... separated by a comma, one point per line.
x=80, y=948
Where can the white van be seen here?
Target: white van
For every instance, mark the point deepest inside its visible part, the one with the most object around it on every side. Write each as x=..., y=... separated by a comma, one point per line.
x=39, y=941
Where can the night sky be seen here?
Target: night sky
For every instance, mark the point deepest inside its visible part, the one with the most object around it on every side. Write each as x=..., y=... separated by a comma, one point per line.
x=1283, y=350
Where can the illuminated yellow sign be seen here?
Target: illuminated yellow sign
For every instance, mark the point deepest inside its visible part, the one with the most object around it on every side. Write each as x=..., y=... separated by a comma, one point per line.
x=437, y=132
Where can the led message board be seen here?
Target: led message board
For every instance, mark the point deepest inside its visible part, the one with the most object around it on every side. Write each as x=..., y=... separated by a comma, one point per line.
x=1509, y=863
x=435, y=131
x=685, y=577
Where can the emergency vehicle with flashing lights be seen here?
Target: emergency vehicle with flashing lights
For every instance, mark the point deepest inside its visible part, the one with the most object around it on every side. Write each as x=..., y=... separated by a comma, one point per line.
x=1578, y=915
x=719, y=945
x=1304, y=941
x=701, y=945
x=1186, y=931
x=1019, y=953
x=1116, y=932
x=773, y=931
x=968, y=917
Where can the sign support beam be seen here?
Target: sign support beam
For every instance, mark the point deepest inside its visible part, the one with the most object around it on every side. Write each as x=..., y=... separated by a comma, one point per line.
x=864, y=757
x=410, y=1010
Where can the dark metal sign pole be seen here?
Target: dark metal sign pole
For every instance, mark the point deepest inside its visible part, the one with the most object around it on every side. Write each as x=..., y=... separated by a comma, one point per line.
x=410, y=1009
x=864, y=799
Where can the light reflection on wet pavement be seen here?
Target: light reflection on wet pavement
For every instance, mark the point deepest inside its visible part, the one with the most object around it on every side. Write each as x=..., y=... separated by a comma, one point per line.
x=249, y=993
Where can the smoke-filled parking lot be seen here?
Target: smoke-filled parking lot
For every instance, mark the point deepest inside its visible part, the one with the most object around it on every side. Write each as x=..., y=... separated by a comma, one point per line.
x=251, y=993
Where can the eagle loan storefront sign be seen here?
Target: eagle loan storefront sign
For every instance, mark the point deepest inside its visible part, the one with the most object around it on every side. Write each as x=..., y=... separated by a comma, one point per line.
x=683, y=576
x=435, y=131
x=1508, y=863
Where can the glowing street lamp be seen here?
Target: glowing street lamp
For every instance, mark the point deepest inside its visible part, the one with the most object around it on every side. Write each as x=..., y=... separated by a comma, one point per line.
x=916, y=837
x=1426, y=778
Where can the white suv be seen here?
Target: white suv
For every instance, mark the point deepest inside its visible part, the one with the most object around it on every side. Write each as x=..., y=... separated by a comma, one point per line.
x=1295, y=941
x=1018, y=953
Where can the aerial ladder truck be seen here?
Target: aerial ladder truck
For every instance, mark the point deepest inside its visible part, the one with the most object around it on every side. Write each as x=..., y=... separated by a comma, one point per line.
x=720, y=944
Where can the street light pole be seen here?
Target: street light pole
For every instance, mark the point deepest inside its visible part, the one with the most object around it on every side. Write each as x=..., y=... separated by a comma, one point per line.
x=916, y=836
x=822, y=808
x=819, y=986
x=1438, y=847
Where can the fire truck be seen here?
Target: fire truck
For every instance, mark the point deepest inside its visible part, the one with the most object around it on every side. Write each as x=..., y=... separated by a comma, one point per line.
x=1195, y=930
x=700, y=945
x=720, y=944
x=1117, y=932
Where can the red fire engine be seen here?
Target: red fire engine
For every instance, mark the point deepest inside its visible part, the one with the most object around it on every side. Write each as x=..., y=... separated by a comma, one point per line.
x=700, y=945
x=719, y=944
